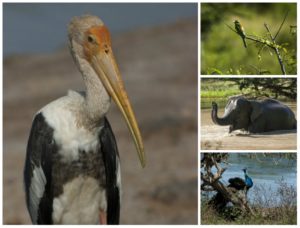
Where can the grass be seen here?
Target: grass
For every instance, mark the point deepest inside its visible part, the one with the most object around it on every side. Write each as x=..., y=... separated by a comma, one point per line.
x=217, y=88
x=266, y=212
x=263, y=216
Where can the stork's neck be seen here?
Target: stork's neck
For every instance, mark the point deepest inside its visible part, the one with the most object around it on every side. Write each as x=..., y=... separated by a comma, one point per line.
x=97, y=100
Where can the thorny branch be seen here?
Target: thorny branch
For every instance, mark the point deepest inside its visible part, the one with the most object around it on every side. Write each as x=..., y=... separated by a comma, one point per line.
x=271, y=45
x=286, y=14
x=253, y=38
x=276, y=50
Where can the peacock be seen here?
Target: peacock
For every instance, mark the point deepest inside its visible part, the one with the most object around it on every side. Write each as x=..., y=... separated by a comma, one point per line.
x=219, y=201
x=240, y=184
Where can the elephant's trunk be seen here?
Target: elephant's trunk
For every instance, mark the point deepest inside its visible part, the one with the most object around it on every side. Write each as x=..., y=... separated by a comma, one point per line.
x=214, y=116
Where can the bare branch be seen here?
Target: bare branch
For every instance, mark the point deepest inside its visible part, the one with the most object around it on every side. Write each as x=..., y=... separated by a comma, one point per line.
x=206, y=187
x=251, y=37
x=285, y=16
x=231, y=28
x=220, y=171
x=272, y=44
x=276, y=50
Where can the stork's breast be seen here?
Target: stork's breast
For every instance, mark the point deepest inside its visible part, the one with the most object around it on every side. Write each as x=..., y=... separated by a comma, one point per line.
x=80, y=202
x=62, y=116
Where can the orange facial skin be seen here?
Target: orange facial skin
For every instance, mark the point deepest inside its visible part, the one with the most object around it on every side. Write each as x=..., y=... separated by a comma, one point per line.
x=97, y=39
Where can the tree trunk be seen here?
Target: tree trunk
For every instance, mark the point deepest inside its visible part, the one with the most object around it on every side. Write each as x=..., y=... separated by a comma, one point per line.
x=230, y=194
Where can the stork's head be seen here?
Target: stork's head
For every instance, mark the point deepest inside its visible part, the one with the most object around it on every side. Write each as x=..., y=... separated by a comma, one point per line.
x=90, y=41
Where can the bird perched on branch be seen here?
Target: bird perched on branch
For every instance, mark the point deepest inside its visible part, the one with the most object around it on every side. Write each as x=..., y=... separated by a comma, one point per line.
x=240, y=30
x=239, y=183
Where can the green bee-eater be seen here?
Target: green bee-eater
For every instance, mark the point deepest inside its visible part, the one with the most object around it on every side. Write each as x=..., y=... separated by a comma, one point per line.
x=240, y=30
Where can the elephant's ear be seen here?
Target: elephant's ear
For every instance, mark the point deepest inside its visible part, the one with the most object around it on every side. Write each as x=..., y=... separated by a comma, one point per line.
x=257, y=110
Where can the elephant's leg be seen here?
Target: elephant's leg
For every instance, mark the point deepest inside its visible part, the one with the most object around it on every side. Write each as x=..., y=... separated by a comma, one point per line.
x=233, y=127
x=238, y=125
x=259, y=125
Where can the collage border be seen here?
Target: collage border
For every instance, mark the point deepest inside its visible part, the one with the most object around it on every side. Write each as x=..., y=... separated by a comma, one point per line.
x=199, y=76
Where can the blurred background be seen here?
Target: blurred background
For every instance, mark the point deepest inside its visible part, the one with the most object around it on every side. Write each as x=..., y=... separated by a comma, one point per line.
x=156, y=48
x=222, y=50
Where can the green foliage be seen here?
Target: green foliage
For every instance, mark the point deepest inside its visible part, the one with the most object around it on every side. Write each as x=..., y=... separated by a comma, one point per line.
x=268, y=87
x=217, y=89
x=222, y=50
x=220, y=89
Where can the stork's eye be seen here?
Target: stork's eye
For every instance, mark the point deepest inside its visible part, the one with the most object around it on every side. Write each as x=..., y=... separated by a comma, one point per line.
x=91, y=39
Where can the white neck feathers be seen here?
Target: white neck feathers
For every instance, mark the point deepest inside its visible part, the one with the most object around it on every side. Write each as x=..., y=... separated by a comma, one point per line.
x=97, y=100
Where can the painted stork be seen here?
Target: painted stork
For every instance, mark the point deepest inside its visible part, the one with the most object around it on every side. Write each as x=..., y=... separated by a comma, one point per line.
x=72, y=167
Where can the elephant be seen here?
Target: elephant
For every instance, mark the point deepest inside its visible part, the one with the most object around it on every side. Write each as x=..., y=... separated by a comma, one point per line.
x=255, y=116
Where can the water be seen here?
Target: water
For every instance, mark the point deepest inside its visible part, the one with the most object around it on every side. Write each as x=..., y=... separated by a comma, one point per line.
x=42, y=27
x=264, y=171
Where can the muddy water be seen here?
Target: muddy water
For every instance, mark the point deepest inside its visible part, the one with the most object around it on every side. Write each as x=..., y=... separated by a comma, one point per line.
x=214, y=137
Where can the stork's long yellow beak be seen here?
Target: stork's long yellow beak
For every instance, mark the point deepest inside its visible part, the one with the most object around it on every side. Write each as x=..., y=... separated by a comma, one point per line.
x=105, y=66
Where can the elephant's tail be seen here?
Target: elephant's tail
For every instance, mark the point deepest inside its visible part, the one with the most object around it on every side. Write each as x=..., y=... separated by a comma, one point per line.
x=295, y=125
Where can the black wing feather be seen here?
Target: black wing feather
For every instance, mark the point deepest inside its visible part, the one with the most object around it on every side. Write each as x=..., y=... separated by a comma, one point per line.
x=237, y=183
x=110, y=154
x=39, y=150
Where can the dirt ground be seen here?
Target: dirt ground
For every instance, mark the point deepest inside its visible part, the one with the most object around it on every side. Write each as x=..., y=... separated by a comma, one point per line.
x=159, y=68
x=214, y=137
